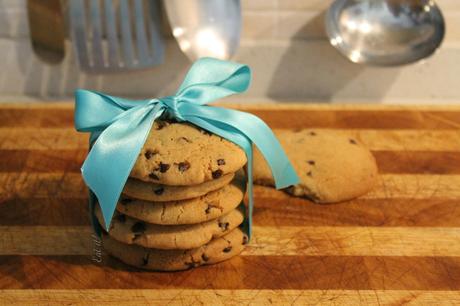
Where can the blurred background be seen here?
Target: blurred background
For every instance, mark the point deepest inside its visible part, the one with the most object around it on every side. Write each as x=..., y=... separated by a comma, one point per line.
x=284, y=42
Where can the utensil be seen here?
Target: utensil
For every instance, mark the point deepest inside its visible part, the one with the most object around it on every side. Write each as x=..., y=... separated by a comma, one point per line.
x=46, y=24
x=385, y=32
x=114, y=36
x=205, y=27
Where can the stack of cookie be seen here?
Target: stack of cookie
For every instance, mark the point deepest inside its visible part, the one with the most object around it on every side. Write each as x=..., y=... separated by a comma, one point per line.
x=181, y=206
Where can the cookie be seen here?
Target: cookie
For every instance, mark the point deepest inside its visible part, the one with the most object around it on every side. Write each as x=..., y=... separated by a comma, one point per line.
x=181, y=154
x=332, y=167
x=215, y=251
x=137, y=189
x=133, y=231
x=197, y=210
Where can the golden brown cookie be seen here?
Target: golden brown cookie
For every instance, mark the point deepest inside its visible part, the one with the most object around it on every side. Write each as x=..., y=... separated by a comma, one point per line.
x=181, y=154
x=137, y=189
x=133, y=231
x=215, y=251
x=332, y=167
x=207, y=207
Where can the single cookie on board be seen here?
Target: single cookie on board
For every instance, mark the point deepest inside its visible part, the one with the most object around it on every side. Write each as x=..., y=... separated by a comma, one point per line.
x=332, y=167
x=183, y=154
x=137, y=189
x=215, y=251
x=207, y=207
x=133, y=231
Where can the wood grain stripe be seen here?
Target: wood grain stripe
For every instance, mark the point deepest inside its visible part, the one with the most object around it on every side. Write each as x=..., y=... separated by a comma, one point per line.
x=358, y=212
x=300, y=117
x=268, y=212
x=267, y=241
x=414, y=162
x=241, y=272
x=409, y=162
x=375, y=140
x=70, y=185
x=230, y=297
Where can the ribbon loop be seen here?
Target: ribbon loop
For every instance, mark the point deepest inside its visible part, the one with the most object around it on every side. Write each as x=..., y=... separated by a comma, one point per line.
x=119, y=128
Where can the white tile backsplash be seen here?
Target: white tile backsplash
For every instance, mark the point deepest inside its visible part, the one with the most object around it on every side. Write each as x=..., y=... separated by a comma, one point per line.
x=282, y=40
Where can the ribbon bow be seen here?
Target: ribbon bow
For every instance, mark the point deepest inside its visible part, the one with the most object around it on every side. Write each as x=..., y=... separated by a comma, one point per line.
x=119, y=128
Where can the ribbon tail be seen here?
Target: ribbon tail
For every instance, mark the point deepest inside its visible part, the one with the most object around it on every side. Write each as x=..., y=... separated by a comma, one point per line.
x=113, y=155
x=254, y=129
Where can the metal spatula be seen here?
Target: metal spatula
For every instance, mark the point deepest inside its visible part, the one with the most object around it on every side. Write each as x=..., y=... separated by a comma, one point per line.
x=115, y=36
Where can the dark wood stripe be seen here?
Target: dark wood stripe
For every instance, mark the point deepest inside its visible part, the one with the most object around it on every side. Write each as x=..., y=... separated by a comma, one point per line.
x=50, y=117
x=417, y=162
x=289, y=211
x=372, y=119
x=44, y=211
x=243, y=272
x=293, y=211
x=360, y=119
x=394, y=162
x=41, y=160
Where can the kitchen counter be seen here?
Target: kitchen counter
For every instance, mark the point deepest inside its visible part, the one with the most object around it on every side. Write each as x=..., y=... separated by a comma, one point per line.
x=398, y=244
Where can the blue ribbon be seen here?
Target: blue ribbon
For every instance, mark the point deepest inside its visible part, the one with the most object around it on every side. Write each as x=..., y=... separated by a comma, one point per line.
x=119, y=128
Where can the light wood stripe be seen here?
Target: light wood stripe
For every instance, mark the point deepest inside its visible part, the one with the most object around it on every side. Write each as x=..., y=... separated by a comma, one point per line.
x=230, y=297
x=375, y=140
x=299, y=115
x=70, y=185
x=404, y=162
x=267, y=241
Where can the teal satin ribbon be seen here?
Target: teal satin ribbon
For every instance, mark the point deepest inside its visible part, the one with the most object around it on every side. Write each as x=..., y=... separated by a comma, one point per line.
x=119, y=128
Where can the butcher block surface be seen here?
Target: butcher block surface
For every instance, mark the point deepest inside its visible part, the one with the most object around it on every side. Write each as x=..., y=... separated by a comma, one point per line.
x=398, y=244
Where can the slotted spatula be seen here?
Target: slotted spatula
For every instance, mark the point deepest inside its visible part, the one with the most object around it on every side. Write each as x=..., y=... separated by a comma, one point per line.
x=114, y=36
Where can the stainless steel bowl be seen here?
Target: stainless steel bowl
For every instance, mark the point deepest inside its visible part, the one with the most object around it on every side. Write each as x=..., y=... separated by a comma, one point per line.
x=385, y=32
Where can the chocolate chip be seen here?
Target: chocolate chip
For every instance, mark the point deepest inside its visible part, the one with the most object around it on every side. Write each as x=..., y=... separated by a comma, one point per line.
x=148, y=154
x=153, y=176
x=192, y=264
x=309, y=173
x=312, y=133
x=311, y=162
x=121, y=218
x=164, y=167
x=208, y=209
x=183, y=166
x=245, y=240
x=145, y=259
x=221, y=162
x=224, y=226
x=227, y=249
x=125, y=201
x=204, y=257
x=159, y=191
x=138, y=227
x=216, y=174
x=161, y=124
x=352, y=141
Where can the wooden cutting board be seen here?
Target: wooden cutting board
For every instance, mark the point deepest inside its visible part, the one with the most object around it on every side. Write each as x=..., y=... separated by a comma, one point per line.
x=398, y=244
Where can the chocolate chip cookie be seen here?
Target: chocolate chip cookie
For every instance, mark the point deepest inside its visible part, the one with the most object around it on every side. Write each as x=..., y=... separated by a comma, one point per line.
x=137, y=189
x=183, y=154
x=217, y=250
x=207, y=207
x=133, y=231
x=332, y=167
